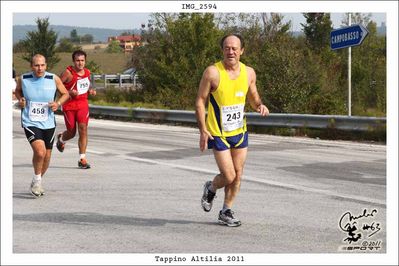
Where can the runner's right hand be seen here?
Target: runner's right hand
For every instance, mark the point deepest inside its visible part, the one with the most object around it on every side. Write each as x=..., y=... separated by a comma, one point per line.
x=204, y=136
x=73, y=93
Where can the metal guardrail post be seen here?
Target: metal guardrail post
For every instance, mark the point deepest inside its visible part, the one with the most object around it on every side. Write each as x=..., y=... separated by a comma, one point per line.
x=105, y=80
x=120, y=80
x=92, y=78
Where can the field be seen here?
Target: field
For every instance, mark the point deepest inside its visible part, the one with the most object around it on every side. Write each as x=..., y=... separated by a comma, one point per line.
x=109, y=63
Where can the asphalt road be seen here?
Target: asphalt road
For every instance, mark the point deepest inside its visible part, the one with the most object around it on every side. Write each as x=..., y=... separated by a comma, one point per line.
x=142, y=195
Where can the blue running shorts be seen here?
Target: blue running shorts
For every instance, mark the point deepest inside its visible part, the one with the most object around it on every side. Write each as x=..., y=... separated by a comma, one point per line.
x=224, y=143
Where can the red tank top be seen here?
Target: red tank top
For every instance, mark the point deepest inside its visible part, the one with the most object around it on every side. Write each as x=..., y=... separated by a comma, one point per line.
x=81, y=84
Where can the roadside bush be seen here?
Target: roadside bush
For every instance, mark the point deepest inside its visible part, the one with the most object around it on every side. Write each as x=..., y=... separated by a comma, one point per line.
x=93, y=67
x=114, y=47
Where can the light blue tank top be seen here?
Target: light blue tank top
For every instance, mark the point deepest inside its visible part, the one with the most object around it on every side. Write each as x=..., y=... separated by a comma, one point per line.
x=38, y=92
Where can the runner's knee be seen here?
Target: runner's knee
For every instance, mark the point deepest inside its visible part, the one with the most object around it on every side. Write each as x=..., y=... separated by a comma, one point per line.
x=40, y=154
x=229, y=176
x=82, y=128
x=237, y=181
x=239, y=174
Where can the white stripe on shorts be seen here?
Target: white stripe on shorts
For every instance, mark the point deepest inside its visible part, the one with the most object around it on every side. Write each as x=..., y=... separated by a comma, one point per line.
x=29, y=130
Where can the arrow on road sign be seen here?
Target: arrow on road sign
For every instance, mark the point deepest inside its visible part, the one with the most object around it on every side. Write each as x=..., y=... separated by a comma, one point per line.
x=348, y=36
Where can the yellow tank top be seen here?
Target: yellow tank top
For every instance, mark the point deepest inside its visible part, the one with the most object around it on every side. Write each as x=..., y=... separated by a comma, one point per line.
x=226, y=104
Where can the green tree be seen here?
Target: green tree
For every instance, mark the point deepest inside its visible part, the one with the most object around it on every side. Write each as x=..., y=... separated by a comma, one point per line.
x=93, y=67
x=43, y=41
x=317, y=30
x=274, y=26
x=87, y=38
x=369, y=74
x=114, y=47
x=74, y=37
x=147, y=30
x=294, y=79
x=66, y=45
x=178, y=50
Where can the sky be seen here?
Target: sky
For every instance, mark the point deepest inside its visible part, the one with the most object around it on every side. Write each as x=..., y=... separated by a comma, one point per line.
x=134, y=20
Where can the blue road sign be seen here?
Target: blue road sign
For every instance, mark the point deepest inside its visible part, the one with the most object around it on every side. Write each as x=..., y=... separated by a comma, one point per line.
x=348, y=36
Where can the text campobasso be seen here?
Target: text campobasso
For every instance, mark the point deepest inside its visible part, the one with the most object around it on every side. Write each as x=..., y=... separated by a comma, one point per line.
x=345, y=37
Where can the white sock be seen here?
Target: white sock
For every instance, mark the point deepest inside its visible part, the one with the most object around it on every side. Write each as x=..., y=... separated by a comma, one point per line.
x=37, y=177
x=82, y=155
x=61, y=140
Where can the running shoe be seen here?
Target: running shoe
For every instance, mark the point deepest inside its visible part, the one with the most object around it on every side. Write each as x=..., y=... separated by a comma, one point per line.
x=60, y=145
x=83, y=164
x=207, y=197
x=36, y=188
x=227, y=218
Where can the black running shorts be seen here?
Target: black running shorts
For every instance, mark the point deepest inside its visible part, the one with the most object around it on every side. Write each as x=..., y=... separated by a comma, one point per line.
x=47, y=135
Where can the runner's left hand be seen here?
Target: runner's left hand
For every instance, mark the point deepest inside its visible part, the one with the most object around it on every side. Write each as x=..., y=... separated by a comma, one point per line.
x=53, y=105
x=263, y=110
x=92, y=92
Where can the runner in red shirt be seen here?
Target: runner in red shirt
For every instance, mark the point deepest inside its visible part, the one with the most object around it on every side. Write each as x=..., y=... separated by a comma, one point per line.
x=76, y=79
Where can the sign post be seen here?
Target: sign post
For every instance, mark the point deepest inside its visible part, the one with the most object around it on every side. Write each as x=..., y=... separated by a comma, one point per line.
x=348, y=37
x=349, y=72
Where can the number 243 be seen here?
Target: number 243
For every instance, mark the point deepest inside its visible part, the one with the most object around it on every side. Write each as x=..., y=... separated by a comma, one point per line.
x=234, y=116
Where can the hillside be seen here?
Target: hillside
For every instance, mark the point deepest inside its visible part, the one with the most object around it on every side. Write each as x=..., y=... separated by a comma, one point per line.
x=99, y=34
x=102, y=34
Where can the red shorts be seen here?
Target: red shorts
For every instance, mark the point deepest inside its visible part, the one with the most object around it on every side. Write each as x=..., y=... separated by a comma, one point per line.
x=80, y=116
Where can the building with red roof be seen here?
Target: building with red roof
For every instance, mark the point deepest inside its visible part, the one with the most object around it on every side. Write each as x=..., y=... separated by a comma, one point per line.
x=127, y=42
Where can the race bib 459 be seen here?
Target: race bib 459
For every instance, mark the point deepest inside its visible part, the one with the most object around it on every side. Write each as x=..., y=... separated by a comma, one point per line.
x=38, y=111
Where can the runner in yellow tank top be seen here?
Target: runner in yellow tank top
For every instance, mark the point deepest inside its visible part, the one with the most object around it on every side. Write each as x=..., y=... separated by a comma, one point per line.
x=226, y=85
x=226, y=104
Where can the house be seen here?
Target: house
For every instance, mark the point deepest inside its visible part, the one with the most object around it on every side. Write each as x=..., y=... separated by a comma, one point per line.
x=126, y=42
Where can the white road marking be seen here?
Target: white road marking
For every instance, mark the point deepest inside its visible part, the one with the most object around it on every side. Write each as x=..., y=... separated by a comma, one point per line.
x=252, y=179
x=245, y=178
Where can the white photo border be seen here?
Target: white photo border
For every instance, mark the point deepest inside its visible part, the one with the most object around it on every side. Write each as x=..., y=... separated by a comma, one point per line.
x=8, y=8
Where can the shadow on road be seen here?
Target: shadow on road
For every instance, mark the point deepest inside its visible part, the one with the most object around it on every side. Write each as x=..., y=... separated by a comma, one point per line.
x=26, y=165
x=88, y=218
x=23, y=195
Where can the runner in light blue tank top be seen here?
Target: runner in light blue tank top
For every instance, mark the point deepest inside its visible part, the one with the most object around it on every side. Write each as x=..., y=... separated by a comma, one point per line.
x=38, y=92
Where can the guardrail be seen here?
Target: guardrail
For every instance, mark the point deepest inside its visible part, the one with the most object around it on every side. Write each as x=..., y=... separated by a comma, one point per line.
x=118, y=77
x=346, y=123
